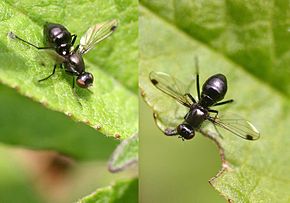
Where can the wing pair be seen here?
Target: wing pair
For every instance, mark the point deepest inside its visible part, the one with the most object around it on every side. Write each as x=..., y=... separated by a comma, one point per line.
x=175, y=89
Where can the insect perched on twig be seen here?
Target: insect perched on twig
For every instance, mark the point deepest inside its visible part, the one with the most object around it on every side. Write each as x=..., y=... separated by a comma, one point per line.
x=58, y=41
x=212, y=94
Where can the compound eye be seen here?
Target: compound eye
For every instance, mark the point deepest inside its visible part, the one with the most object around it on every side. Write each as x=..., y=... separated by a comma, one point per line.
x=185, y=131
x=85, y=80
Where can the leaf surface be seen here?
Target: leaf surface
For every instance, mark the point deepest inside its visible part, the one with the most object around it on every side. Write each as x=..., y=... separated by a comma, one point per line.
x=111, y=108
x=256, y=171
x=121, y=191
x=27, y=124
x=125, y=154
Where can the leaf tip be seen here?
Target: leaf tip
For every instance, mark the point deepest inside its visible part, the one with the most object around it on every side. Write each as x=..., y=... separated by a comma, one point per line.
x=116, y=163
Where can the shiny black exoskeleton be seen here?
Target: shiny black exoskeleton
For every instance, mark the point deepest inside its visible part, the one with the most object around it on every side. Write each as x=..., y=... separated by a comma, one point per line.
x=59, y=39
x=213, y=91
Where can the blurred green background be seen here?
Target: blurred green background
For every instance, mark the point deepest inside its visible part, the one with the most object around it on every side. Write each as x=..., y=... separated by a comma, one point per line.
x=172, y=170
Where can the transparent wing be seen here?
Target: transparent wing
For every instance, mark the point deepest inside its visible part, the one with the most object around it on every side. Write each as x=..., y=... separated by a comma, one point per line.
x=96, y=34
x=170, y=86
x=237, y=126
x=49, y=57
x=54, y=55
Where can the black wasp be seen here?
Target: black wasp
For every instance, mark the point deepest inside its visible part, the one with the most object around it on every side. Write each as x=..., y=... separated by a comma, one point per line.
x=213, y=91
x=58, y=41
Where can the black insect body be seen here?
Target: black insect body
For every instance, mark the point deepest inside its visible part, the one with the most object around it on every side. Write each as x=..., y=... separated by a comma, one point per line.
x=59, y=43
x=58, y=37
x=213, y=91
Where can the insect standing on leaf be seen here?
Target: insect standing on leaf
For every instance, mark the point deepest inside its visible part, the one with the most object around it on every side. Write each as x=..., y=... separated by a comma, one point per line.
x=212, y=94
x=58, y=42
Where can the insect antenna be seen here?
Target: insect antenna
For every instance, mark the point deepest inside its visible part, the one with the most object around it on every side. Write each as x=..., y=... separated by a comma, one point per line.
x=14, y=36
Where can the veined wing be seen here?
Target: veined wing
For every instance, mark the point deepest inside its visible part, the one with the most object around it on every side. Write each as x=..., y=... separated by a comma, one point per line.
x=170, y=86
x=54, y=55
x=237, y=126
x=96, y=34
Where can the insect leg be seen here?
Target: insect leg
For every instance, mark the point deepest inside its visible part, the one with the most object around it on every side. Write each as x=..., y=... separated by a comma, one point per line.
x=76, y=48
x=197, y=78
x=224, y=102
x=54, y=67
x=191, y=97
x=73, y=83
x=214, y=111
x=74, y=91
x=13, y=36
x=74, y=37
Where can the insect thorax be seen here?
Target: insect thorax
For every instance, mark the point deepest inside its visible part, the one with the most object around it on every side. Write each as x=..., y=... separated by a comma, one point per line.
x=196, y=116
x=74, y=64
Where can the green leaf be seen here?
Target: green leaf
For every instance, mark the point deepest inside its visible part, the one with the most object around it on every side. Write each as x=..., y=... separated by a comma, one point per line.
x=26, y=123
x=111, y=108
x=125, y=154
x=122, y=191
x=253, y=171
